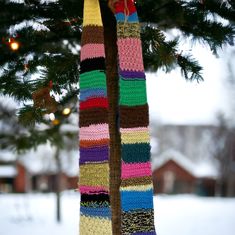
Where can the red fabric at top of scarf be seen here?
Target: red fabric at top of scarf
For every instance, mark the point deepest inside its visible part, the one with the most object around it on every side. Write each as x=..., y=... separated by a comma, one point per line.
x=120, y=7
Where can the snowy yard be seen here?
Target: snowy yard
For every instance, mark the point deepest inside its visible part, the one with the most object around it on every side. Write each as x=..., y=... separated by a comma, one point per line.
x=34, y=214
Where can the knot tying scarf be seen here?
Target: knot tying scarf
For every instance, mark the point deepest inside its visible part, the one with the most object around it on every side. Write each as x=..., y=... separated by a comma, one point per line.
x=137, y=215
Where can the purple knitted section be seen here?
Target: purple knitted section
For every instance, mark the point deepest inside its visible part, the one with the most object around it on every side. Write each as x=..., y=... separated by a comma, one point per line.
x=132, y=74
x=94, y=154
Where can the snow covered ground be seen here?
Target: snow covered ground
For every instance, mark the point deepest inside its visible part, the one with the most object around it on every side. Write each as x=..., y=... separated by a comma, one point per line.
x=34, y=214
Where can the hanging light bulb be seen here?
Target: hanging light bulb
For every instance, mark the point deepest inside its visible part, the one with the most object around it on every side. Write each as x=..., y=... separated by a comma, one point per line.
x=52, y=116
x=56, y=122
x=14, y=45
x=66, y=111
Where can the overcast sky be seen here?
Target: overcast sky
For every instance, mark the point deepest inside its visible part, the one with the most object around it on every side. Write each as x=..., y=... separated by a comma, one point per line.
x=174, y=100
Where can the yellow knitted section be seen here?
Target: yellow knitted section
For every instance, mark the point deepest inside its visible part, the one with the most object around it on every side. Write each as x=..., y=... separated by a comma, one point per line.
x=94, y=175
x=135, y=137
x=95, y=226
x=91, y=14
x=137, y=188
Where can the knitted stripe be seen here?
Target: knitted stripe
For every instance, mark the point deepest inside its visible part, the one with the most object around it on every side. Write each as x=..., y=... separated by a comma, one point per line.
x=92, y=79
x=132, y=92
x=134, y=222
x=138, y=187
x=94, y=143
x=94, y=174
x=135, y=170
x=127, y=47
x=93, y=116
x=95, y=212
x=137, y=181
x=95, y=225
x=92, y=51
x=121, y=17
x=88, y=31
x=123, y=31
x=133, y=200
x=136, y=184
x=135, y=152
x=92, y=64
x=92, y=189
x=94, y=154
x=92, y=93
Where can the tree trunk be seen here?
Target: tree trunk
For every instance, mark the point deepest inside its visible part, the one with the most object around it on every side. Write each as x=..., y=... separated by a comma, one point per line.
x=58, y=186
x=110, y=39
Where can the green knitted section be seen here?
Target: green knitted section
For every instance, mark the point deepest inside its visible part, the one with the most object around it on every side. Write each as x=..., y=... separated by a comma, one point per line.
x=136, y=152
x=93, y=79
x=132, y=92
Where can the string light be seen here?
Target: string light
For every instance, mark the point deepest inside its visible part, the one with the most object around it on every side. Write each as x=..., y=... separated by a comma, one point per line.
x=55, y=122
x=66, y=111
x=52, y=116
x=14, y=45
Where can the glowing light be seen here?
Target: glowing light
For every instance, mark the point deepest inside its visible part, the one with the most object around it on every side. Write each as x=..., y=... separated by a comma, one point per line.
x=14, y=46
x=52, y=116
x=56, y=122
x=66, y=111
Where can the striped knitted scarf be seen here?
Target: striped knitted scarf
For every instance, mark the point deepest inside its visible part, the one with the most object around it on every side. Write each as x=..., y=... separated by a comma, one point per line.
x=136, y=183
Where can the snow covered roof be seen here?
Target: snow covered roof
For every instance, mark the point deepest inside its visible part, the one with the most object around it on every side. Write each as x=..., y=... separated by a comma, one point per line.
x=7, y=156
x=8, y=171
x=198, y=169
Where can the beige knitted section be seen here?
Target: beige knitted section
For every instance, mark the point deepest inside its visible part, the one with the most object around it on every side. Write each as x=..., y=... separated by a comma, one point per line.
x=95, y=226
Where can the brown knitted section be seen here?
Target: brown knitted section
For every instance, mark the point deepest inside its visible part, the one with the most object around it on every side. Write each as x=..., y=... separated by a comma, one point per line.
x=125, y=31
x=93, y=116
x=92, y=30
x=135, y=116
x=93, y=143
x=136, y=181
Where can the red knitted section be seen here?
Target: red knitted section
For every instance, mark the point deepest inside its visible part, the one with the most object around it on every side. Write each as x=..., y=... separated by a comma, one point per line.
x=120, y=7
x=94, y=103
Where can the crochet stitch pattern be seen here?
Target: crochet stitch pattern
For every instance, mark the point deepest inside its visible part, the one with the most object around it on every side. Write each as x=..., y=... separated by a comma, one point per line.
x=95, y=211
x=136, y=183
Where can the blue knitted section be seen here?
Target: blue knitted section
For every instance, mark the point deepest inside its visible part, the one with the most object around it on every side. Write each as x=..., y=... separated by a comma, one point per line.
x=132, y=200
x=120, y=17
x=96, y=92
x=100, y=211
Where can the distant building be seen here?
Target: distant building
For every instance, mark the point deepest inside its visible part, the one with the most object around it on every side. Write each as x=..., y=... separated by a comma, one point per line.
x=174, y=173
x=37, y=171
x=13, y=177
x=205, y=147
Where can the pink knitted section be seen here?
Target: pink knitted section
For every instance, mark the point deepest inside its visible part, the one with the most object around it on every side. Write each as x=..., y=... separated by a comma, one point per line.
x=94, y=132
x=136, y=170
x=92, y=189
x=92, y=51
x=128, y=49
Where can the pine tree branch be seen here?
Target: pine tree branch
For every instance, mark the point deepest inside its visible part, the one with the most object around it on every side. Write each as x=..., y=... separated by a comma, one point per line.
x=162, y=54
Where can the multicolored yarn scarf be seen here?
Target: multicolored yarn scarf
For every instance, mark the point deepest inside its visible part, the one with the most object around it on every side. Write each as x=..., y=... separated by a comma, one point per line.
x=136, y=182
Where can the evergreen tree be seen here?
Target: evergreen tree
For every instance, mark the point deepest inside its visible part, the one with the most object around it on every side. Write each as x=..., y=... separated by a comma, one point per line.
x=40, y=47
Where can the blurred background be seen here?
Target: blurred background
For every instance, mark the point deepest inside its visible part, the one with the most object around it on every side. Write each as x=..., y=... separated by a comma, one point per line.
x=192, y=123
x=193, y=160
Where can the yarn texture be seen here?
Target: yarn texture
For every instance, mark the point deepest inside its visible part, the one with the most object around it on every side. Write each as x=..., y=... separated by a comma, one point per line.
x=136, y=188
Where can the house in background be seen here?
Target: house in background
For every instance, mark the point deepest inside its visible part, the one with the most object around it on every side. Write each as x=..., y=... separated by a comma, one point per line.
x=8, y=172
x=36, y=171
x=174, y=173
x=13, y=177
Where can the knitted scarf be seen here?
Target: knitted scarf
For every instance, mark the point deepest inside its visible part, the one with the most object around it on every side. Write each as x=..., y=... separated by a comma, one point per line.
x=136, y=182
